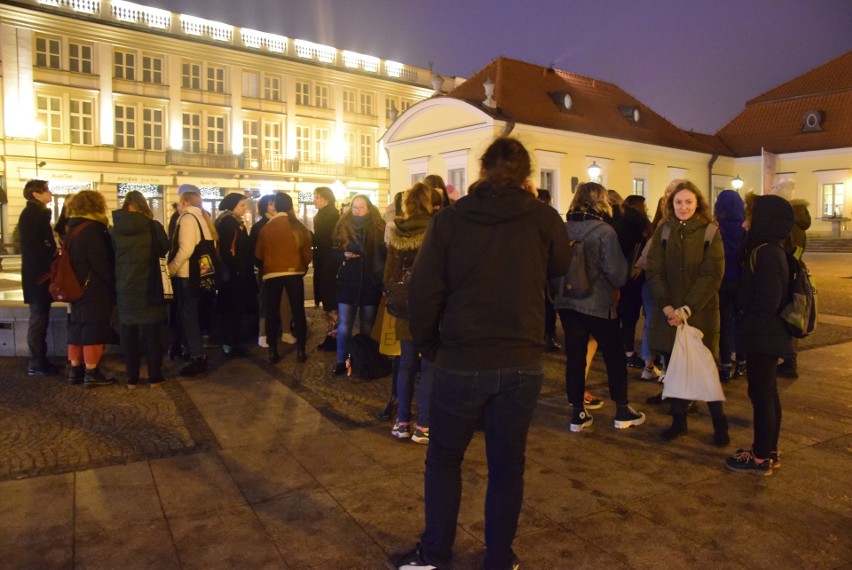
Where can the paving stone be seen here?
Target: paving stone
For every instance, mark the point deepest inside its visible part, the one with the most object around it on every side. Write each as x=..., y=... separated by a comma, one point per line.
x=115, y=498
x=266, y=471
x=194, y=484
x=37, y=511
x=145, y=545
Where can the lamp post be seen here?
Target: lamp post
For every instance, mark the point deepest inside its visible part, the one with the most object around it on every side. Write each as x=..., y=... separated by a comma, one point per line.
x=737, y=183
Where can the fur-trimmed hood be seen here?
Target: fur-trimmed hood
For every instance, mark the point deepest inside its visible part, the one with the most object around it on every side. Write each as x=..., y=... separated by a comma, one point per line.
x=407, y=233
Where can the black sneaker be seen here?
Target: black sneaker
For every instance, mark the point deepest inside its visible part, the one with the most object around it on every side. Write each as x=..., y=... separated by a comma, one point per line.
x=726, y=373
x=744, y=461
x=43, y=369
x=413, y=559
x=788, y=369
x=581, y=420
x=132, y=383
x=95, y=378
x=197, y=365
x=635, y=361
x=625, y=416
x=658, y=399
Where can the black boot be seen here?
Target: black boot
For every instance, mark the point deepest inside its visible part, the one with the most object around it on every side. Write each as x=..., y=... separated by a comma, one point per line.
x=720, y=431
x=95, y=378
x=328, y=345
x=272, y=353
x=678, y=428
x=551, y=344
x=76, y=374
x=301, y=355
x=197, y=365
x=788, y=369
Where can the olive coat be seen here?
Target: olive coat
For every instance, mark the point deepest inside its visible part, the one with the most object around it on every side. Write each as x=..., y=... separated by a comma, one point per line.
x=92, y=258
x=685, y=272
x=138, y=241
x=38, y=247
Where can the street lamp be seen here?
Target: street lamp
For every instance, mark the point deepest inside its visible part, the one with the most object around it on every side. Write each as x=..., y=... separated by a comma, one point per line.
x=737, y=183
x=39, y=128
x=594, y=171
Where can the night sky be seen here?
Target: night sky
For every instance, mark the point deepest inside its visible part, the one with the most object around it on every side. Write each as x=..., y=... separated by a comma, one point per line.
x=696, y=62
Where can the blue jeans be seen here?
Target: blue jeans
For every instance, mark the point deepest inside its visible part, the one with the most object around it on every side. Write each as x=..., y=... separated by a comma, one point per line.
x=366, y=319
x=405, y=384
x=505, y=399
x=187, y=301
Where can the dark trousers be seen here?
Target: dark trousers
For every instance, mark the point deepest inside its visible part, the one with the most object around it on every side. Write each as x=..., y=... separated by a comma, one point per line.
x=152, y=338
x=679, y=407
x=727, y=324
x=37, y=332
x=505, y=399
x=295, y=287
x=549, y=320
x=578, y=327
x=629, y=306
x=187, y=301
x=232, y=306
x=762, y=372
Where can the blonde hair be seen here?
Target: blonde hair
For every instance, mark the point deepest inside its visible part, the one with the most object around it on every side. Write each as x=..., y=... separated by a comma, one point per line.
x=421, y=199
x=591, y=197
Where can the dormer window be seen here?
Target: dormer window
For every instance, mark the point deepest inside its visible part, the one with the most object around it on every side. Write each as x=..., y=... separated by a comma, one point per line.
x=563, y=100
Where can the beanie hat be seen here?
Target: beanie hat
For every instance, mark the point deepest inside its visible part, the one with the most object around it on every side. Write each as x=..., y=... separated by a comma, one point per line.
x=230, y=201
x=283, y=202
x=188, y=188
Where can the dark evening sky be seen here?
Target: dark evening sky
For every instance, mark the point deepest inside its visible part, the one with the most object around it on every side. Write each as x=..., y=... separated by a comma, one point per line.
x=696, y=62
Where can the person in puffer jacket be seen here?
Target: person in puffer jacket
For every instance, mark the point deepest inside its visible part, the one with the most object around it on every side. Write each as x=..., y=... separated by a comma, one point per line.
x=729, y=211
x=589, y=222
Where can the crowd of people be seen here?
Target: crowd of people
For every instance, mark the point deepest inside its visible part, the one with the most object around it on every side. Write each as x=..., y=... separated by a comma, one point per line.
x=467, y=283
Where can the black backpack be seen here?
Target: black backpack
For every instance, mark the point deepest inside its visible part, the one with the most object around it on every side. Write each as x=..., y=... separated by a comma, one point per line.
x=365, y=360
x=799, y=310
x=576, y=284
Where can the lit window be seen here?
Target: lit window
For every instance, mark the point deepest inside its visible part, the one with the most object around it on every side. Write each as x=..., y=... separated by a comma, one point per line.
x=152, y=69
x=251, y=140
x=321, y=96
x=271, y=88
x=458, y=178
x=349, y=100
x=152, y=128
x=124, y=65
x=48, y=53
x=272, y=143
x=191, y=76
x=251, y=84
x=303, y=143
x=366, y=150
x=366, y=103
x=832, y=200
x=639, y=186
x=80, y=58
x=125, y=126
x=350, y=143
x=215, y=134
x=192, y=132
x=320, y=145
x=303, y=93
x=82, y=121
x=49, y=111
x=216, y=79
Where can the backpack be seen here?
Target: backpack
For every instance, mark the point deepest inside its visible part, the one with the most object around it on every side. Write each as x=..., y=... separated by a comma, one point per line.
x=576, y=284
x=64, y=286
x=365, y=361
x=709, y=231
x=799, y=310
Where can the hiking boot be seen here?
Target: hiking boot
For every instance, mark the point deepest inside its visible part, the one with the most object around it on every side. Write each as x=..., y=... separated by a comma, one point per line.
x=95, y=378
x=677, y=428
x=76, y=374
x=650, y=374
x=196, y=365
x=401, y=430
x=625, y=416
x=420, y=435
x=413, y=560
x=635, y=361
x=744, y=461
x=580, y=420
x=590, y=402
x=720, y=431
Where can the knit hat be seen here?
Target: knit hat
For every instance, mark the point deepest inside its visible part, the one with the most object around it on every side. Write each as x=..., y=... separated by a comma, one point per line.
x=188, y=188
x=230, y=201
x=283, y=202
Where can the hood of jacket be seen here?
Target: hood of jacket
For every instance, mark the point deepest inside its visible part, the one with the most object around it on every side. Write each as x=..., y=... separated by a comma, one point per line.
x=771, y=220
x=127, y=223
x=408, y=233
x=581, y=224
x=729, y=208
x=490, y=205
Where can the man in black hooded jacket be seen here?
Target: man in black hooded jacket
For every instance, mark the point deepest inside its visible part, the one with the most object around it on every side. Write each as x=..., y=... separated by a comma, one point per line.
x=477, y=310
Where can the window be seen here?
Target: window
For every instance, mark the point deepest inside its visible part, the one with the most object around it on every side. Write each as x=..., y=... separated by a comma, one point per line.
x=215, y=79
x=405, y=104
x=639, y=186
x=125, y=126
x=80, y=58
x=48, y=53
x=349, y=100
x=152, y=128
x=82, y=121
x=251, y=84
x=251, y=141
x=124, y=65
x=366, y=103
x=545, y=181
x=272, y=142
x=390, y=108
x=303, y=93
x=49, y=111
x=192, y=132
x=152, y=69
x=271, y=88
x=349, y=141
x=320, y=145
x=832, y=200
x=321, y=96
x=191, y=76
x=216, y=134
x=303, y=144
x=366, y=150
x=457, y=177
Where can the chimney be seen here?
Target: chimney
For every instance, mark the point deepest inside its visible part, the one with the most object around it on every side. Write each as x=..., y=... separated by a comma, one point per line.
x=489, y=92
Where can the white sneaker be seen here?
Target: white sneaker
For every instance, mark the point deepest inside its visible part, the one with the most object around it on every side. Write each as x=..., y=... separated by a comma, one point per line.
x=261, y=341
x=288, y=338
x=650, y=373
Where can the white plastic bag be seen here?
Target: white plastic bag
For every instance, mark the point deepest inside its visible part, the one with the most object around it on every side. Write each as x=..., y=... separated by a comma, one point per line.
x=692, y=374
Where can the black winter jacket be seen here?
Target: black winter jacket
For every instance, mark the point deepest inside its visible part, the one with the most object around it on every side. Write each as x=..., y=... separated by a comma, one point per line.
x=136, y=246
x=765, y=287
x=38, y=247
x=93, y=261
x=325, y=266
x=359, y=280
x=477, y=287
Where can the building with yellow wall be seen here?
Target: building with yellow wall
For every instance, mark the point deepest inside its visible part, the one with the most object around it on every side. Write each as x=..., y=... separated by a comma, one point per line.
x=112, y=95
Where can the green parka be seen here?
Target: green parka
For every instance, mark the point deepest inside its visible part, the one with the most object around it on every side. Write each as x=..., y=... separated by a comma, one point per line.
x=685, y=272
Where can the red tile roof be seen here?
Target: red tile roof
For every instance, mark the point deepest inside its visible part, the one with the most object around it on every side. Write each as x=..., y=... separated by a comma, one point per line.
x=774, y=120
x=532, y=95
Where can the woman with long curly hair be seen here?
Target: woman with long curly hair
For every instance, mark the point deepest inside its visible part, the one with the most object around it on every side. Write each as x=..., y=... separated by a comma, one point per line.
x=360, y=248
